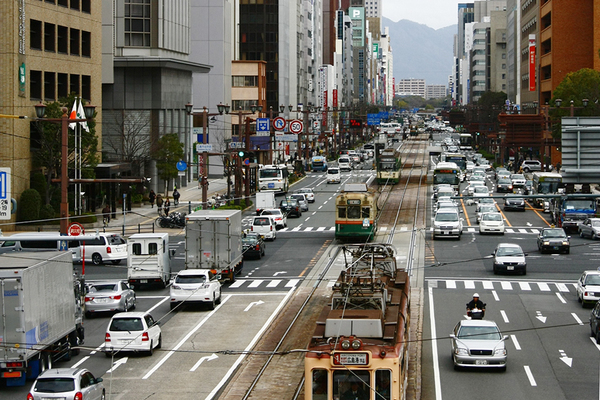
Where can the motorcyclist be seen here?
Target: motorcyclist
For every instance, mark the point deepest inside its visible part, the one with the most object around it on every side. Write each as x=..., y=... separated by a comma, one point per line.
x=475, y=303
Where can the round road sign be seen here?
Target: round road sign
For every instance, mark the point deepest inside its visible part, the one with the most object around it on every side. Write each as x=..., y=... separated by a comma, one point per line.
x=75, y=229
x=279, y=123
x=296, y=126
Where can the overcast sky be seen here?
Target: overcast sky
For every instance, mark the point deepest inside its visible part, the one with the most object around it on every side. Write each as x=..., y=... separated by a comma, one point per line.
x=433, y=13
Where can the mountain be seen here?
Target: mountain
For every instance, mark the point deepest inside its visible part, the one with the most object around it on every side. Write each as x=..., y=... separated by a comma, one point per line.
x=421, y=52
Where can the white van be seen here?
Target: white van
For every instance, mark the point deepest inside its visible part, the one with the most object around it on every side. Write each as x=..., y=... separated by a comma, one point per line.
x=108, y=247
x=47, y=242
x=344, y=163
x=333, y=175
x=265, y=225
x=149, y=259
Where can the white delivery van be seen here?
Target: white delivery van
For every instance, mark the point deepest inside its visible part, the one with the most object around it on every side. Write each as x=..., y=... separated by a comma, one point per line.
x=344, y=163
x=149, y=259
x=333, y=175
x=265, y=200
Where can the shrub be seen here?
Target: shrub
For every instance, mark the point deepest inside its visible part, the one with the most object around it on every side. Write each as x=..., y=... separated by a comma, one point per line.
x=137, y=198
x=29, y=205
x=47, y=212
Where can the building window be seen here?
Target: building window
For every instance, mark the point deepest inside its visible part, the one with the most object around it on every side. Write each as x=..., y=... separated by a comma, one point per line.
x=504, y=56
x=74, y=84
x=503, y=76
x=35, y=85
x=240, y=81
x=74, y=4
x=74, y=42
x=64, y=3
x=503, y=66
x=137, y=23
x=35, y=34
x=63, y=39
x=86, y=87
x=62, y=85
x=86, y=44
x=49, y=37
x=86, y=6
x=49, y=86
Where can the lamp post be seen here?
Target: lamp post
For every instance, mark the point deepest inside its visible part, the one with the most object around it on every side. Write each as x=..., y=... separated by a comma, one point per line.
x=40, y=110
x=204, y=162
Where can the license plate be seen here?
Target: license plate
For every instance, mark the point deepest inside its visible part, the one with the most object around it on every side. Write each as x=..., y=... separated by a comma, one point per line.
x=271, y=185
x=103, y=300
x=125, y=341
x=445, y=233
x=143, y=280
x=480, y=362
x=555, y=248
x=510, y=268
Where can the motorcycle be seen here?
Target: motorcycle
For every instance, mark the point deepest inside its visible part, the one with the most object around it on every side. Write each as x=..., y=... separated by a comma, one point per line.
x=173, y=220
x=476, y=313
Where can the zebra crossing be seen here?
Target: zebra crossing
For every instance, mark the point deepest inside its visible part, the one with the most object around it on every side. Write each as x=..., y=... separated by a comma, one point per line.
x=262, y=283
x=517, y=230
x=312, y=229
x=510, y=286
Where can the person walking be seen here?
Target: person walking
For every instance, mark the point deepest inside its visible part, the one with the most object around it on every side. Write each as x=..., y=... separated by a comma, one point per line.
x=152, y=197
x=159, y=203
x=106, y=215
x=176, y=196
x=167, y=206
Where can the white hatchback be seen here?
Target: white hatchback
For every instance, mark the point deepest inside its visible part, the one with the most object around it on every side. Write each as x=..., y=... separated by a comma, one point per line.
x=491, y=222
x=279, y=217
x=132, y=331
x=264, y=225
x=108, y=247
x=334, y=176
x=195, y=286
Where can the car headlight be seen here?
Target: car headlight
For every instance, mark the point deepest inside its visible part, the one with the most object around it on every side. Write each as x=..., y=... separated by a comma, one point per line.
x=546, y=243
x=461, y=351
x=565, y=243
x=500, y=352
x=522, y=263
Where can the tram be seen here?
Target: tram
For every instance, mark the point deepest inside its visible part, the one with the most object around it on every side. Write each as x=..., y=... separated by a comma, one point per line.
x=389, y=166
x=356, y=213
x=360, y=343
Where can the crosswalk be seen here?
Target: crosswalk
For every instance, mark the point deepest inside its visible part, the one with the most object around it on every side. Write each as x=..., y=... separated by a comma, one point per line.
x=501, y=285
x=518, y=230
x=264, y=283
x=309, y=229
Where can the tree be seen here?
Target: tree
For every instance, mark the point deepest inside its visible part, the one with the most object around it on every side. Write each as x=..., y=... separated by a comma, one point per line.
x=575, y=87
x=46, y=142
x=490, y=100
x=169, y=151
x=127, y=135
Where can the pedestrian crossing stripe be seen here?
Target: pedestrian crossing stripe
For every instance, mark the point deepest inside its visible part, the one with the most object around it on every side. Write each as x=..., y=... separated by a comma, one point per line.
x=526, y=231
x=524, y=286
x=269, y=283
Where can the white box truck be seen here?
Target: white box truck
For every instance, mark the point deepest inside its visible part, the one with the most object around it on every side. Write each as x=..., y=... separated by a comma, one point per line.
x=149, y=259
x=213, y=240
x=265, y=200
x=41, y=313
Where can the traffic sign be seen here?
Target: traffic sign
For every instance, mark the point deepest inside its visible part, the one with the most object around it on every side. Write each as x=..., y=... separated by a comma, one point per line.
x=202, y=147
x=181, y=165
x=75, y=229
x=296, y=126
x=279, y=123
x=247, y=161
x=5, y=203
x=262, y=124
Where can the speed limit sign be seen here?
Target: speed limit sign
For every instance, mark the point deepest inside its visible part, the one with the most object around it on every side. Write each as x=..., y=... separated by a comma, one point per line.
x=296, y=126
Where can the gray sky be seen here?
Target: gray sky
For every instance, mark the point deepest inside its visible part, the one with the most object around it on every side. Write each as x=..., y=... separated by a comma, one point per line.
x=433, y=13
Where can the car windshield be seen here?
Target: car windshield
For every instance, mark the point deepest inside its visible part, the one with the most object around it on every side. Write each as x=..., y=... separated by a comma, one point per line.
x=592, y=280
x=487, y=208
x=126, y=325
x=504, y=181
x=54, y=385
x=596, y=223
x=479, y=333
x=554, y=233
x=509, y=252
x=446, y=217
x=249, y=240
x=481, y=189
x=517, y=176
x=108, y=287
x=333, y=171
x=492, y=217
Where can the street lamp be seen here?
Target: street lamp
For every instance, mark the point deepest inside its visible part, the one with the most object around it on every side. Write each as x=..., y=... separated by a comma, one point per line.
x=204, y=172
x=64, y=121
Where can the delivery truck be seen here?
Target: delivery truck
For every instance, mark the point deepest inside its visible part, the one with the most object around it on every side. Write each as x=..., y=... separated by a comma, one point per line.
x=264, y=201
x=213, y=240
x=41, y=307
x=149, y=259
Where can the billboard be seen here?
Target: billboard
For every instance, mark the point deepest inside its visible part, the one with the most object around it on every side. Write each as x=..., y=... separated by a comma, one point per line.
x=532, y=64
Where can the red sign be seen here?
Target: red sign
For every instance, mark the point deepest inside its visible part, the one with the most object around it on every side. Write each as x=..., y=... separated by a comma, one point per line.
x=75, y=229
x=335, y=103
x=532, y=63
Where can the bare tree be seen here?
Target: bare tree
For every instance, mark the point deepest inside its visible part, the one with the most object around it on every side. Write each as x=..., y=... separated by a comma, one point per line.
x=128, y=137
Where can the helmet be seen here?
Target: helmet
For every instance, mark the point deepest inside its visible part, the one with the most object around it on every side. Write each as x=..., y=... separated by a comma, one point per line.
x=476, y=295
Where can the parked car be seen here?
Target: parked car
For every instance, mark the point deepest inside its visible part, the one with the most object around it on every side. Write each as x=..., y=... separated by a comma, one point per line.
x=551, y=239
x=333, y=175
x=67, y=383
x=491, y=222
x=308, y=192
x=278, y=216
x=132, y=331
x=253, y=245
x=509, y=257
x=290, y=207
x=514, y=203
x=108, y=247
x=302, y=200
x=109, y=296
x=589, y=227
x=588, y=287
x=264, y=225
x=504, y=186
x=195, y=286
x=478, y=343
x=531, y=165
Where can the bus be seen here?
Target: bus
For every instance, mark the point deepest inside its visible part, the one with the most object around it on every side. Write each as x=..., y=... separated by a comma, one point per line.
x=388, y=167
x=545, y=183
x=466, y=141
x=458, y=159
x=318, y=163
x=273, y=178
x=356, y=213
x=447, y=172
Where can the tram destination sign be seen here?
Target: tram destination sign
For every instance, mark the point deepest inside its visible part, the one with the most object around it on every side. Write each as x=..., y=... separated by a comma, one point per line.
x=350, y=359
x=354, y=202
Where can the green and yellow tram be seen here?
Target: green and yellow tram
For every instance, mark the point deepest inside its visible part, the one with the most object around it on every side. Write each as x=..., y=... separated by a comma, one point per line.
x=356, y=213
x=389, y=167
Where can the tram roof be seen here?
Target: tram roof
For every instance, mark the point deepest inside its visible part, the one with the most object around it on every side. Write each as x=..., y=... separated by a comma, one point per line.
x=355, y=187
x=434, y=150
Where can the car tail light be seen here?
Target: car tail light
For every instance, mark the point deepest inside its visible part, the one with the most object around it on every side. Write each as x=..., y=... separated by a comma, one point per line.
x=258, y=247
x=78, y=396
x=29, y=396
x=117, y=297
x=88, y=298
x=108, y=250
x=107, y=337
x=145, y=337
x=14, y=365
x=252, y=228
x=271, y=227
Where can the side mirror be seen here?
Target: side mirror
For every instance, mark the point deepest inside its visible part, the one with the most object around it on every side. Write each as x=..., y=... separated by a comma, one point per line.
x=505, y=337
x=525, y=254
x=98, y=380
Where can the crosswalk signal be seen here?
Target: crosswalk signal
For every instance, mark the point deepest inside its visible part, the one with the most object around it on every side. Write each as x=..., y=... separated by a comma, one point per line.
x=241, y=154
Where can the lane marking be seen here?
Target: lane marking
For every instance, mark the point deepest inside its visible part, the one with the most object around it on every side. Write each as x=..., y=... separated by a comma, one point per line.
x=562, y=287
x=506, y=285
x=450, y=284
x=495, y=295
x=469, y=284
x=274, y=283
x=561, y=298
x=236, y=284
x=576, y=318
x=158, y=304
x=529, y=375
x=543, y=286
x=319, y=207
x=504, y=316
x=488, y=285
x=256, y=283
x=515, y=342
x=78, y=363
x=524, y=285
x=434, y=349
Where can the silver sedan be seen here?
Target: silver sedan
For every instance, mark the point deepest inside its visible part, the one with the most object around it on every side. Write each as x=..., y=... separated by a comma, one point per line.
x=109, y=296
x=590, y=227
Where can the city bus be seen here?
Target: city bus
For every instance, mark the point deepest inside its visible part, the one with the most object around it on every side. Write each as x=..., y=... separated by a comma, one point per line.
x=545, y=183
x=273, y=178
x=447, y=172
x=457, y=158
x=466, y=141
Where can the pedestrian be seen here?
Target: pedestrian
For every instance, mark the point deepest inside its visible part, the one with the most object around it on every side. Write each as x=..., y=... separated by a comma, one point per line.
x=558, y=166
x=167, y=206
x=106, y=214
x=152, y=197
x=176, y=196
x=159, y=203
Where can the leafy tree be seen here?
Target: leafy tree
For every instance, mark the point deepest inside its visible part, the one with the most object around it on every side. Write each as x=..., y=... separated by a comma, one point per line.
x=576, y=86
x=29, y=208
x=489, y=100
x=46, y=142
x=169, y=151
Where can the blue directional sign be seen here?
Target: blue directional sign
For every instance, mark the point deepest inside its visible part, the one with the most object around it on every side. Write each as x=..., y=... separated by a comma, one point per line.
x=5, y=194
x=262, y=124
x=3, y=185
x=373, y=119
x=383, y=115
x=181, y=166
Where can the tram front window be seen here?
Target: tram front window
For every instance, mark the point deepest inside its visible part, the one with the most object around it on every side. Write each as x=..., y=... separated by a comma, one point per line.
x=351, y=385
x=353, y=212
x=383, y=377
x=366, y=212
x=387, y=165
x=319, y=384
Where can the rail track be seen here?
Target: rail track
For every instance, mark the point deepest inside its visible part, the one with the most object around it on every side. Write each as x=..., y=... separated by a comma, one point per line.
x=275, y=369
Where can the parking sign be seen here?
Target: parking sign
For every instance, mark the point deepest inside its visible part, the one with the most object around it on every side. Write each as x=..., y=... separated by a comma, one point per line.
x=5, y=206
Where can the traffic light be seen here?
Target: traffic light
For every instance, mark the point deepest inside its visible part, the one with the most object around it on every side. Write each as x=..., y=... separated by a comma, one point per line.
x=241, y=154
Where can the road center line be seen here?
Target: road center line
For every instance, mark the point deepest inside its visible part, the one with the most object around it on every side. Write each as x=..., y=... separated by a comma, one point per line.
x=579, y=321
x=562, y=299
x=495, y=295
x=434, y=350
x=504, y=316
x=158, y=304
x=530, y=375
x=515, y=342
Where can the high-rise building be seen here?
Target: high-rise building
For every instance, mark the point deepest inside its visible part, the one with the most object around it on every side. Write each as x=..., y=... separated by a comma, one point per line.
x=415, y=87
x=373, y=8
x=435, y=91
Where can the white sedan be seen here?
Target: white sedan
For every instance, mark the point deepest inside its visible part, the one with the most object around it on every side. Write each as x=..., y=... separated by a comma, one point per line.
x=195, y=286
x=491, y=222
x=279, y=217
x=588, y=287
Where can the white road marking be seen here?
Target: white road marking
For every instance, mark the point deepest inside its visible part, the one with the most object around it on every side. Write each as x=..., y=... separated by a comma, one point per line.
x=523, y=231
x=509, y=230
x=576, y=317
x=325, y=202
x=488, y=285
x=504, y=316
x=256, y=283
x=159, y=303
x=320, y=229
x=332, y=228
x=319, y=207
x=515, y=342
x=469, y=284
x=434, y=350
x=292, y=283
x=450, y=284
x=383, y=229
x=593, y=339
x=529, y=375
x=524, y=285
x=236, y=284
x=274, y=283
x=562, y=300
x=543, y=286
x=78, y=363
x=506, y=285
x=562, y=287
x=213, y=356
x=535, y=231
x=495, y=295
